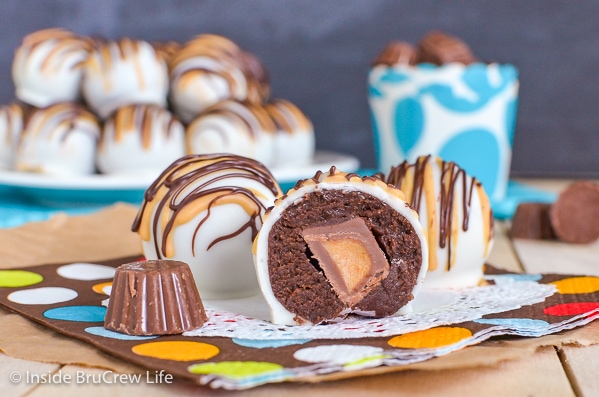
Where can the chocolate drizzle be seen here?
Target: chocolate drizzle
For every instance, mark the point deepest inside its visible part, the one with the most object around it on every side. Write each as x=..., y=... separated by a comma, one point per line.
x=143, y=120
x=194, y=178
x=218, y=56
x=413, y=177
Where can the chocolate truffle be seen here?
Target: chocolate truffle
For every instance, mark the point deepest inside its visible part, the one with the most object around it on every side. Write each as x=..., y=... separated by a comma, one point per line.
x=337, y=244
x=396, y=53
x=531, y=221
x=575, y=214
x=294, y=141
x=234, y=127
x=48, y=66
x=212, y=68
x=155, y=297
x=140, y=139
x=11, y=127
x=124, y=72
x=440, y=48
x=59, y=140
x=205, y=210
x=454, y=210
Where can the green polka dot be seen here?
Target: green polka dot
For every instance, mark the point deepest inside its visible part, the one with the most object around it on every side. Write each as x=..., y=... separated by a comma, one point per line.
x=19, y=278
x=235, y=369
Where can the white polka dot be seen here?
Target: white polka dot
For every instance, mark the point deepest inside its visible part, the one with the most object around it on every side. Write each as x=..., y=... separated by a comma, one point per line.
x=86, y=271
x=336, y=354
x=42, y=296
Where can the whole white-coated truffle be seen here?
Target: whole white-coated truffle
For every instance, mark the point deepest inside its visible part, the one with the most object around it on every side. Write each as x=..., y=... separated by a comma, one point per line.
x=59, y=140
x=11, y=127
x=124, y=72
x=455, y=211
x=140, y=139
x=234, y=127
x=48, y=65
x=205, y=210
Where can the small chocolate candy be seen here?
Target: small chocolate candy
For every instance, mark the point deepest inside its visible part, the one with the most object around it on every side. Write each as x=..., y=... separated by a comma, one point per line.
x=531, y=221
x=440, y=48
x=575, y=214
x=155, y=297
x=350, y=257
x=396, y=53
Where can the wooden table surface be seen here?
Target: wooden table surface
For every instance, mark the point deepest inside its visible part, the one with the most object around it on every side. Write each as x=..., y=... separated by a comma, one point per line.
x=550, y=371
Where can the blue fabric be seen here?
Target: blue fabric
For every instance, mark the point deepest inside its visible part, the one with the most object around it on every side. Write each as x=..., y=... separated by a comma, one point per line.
x=16, y=210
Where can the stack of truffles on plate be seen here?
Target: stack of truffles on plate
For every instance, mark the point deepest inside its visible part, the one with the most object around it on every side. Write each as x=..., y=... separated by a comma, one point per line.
x=335, y=245
x=92, y=105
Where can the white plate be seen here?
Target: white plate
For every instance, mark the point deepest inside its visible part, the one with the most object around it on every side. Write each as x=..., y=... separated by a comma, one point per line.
x=102, y=189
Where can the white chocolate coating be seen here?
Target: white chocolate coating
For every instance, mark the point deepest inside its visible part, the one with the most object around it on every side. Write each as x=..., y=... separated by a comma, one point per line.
x=209, y=69
x=205, y=210
x=459, y=228
x=234, y=127
x=294, y=141
x=47, y=67
x=59, y=140
x=119, y=73
x=328, y=181
x=140, y=139
x=11, y=127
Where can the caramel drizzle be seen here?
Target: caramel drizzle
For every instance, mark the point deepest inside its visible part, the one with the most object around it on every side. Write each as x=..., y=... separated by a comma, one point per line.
x=254, y=118
x=13, y=114
x=171, y=191
x=451, y=176
x=124, y=50
x=141, y=119
x=287, y=117
x=45, y=122
x=227, y=56
x=67, y=44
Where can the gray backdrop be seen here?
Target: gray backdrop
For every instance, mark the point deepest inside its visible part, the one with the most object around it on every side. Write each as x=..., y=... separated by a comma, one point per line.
x=318, y=54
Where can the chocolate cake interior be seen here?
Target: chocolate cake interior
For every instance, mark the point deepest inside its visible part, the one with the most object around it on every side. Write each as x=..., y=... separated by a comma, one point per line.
x=297, y=278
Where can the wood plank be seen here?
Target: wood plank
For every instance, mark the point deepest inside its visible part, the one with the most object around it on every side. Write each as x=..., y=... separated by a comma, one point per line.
x=502, y=254
x=558, y=257
x=581, y=364
x=541, y=375
x=23, y=370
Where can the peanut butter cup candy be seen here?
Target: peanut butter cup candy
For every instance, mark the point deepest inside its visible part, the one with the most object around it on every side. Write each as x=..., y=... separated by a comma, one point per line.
x=205, y=210
x=575, y=214
x=455, y=211
x=337, y=244
x=155, y=297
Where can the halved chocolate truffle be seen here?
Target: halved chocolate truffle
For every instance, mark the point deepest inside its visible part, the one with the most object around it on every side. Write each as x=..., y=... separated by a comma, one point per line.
x=337, y=244
x=155, y=297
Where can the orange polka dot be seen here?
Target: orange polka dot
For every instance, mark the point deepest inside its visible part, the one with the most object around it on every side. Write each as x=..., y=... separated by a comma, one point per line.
x=577, y=285
x=100, y=288
x=176, y=350
x=430, y=338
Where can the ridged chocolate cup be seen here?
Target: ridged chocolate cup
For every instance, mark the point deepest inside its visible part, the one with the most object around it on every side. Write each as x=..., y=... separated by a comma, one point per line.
x=154, y=297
